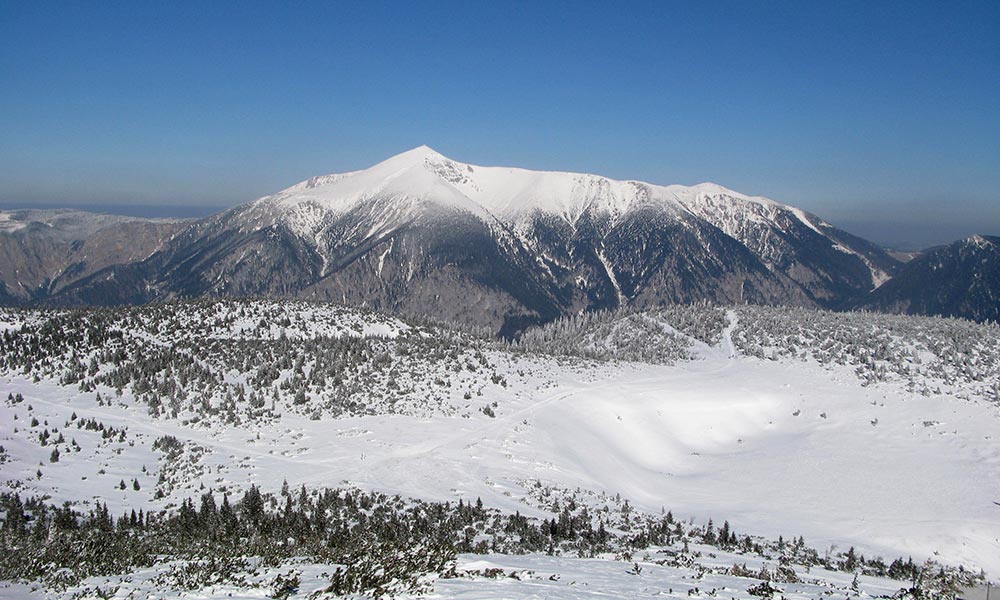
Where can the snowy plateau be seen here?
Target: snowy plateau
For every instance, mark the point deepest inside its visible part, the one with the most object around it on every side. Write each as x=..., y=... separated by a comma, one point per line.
x=291, y=449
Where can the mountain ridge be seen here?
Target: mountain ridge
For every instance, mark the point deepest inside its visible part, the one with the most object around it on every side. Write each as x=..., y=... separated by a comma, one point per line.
x=961, y=279
x=42, y=251
x=500, y=247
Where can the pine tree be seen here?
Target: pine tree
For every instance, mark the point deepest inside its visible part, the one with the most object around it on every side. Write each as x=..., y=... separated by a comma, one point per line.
x=227, y=516
x=724, y=534
x=709, y=536
x=850, y=560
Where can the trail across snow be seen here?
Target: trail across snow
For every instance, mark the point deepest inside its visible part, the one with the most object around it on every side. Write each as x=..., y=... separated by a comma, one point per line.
x=727, y=333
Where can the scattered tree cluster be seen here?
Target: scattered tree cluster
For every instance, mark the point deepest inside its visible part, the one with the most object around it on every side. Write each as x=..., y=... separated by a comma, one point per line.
x=661, y=336
x=223, y=360
x=379, y=545
x=635, y=530
x=927, y=354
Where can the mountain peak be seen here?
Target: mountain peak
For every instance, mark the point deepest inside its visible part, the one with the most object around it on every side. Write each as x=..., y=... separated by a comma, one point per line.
x=979, y=240
x=708, y=187
x=513, y=194
x=714, y=189
x=415, y=156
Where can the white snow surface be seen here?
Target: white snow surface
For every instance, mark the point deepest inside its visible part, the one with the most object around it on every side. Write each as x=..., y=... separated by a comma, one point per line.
x=789, y=448
x=491, y=577
x=403, y=188
x=8, y=224
x=509, y=194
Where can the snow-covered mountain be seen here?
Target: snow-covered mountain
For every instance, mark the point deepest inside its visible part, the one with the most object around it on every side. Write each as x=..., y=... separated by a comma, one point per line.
x=501, y=247
x=958, y=280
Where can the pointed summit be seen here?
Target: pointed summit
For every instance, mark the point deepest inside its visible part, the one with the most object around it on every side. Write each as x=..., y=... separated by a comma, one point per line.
x=414, y=156
x=426, y=151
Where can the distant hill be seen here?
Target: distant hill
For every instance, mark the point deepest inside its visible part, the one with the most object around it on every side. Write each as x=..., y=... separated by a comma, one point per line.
x=958, y=280
x=43, y=251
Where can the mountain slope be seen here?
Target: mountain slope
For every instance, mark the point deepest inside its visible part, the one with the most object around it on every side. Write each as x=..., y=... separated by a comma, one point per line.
x=958, y=280
x=765, y=417
x=43, y=251
x=500, y=247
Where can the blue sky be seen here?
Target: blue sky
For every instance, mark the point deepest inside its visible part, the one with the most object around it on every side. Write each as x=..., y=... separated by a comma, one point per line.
x=882, y=116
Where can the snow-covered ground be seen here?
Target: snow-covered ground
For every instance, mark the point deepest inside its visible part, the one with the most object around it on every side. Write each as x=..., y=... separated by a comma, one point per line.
x=488, y=577
x=777, y=447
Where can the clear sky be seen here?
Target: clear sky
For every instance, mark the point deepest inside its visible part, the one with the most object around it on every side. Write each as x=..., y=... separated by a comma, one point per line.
x=883, y=117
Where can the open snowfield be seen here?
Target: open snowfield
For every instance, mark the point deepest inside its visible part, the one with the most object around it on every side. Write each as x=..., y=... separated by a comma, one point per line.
x=785, y=447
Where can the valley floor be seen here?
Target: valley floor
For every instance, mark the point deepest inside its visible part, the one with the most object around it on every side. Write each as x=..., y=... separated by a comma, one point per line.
x=776, y=447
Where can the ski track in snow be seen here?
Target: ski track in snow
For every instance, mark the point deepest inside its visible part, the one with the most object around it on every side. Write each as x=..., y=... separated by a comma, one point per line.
x=727, y=333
